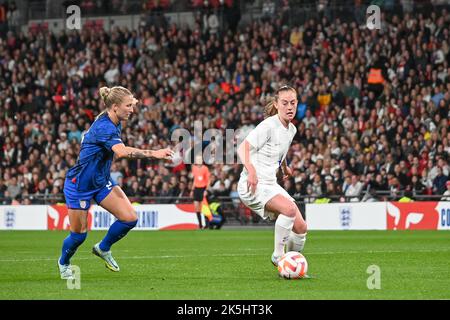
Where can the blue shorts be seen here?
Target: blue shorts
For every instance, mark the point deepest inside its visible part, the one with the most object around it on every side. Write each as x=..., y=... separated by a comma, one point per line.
x=81, y=200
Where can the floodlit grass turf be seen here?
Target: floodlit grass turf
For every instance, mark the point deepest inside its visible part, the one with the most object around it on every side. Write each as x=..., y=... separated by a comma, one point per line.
x=229, y=264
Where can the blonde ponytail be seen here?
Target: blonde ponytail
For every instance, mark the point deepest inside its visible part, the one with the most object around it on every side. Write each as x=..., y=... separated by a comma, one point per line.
x=104, y=93
x=112, y=96
x=269, y=109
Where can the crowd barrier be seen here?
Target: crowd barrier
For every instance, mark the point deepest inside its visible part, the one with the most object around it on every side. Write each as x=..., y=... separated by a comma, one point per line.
x=55, y=217
x=424, y=215
x=420, y=215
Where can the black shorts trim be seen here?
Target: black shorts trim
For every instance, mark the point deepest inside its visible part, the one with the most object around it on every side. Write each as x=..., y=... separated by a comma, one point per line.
x=198, y=194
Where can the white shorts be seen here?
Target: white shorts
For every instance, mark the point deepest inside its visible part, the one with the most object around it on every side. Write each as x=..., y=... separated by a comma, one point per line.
x=258, y=200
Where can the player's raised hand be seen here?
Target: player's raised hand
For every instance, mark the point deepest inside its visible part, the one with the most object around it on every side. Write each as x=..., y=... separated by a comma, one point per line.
x=287, y=173
x=163, y=154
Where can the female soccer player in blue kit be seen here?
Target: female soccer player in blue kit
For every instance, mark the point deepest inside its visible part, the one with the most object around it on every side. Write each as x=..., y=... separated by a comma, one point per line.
x=90, y=178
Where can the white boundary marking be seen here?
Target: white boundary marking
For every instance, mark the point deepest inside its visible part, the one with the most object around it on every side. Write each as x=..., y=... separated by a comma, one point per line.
x=227, y=255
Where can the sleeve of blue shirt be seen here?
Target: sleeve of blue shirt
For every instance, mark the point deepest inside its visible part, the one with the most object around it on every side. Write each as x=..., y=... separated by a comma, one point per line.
x=108, y=136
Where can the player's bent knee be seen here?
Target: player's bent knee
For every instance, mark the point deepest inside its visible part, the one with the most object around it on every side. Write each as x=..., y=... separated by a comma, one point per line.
x=130, y=217
x=79, y=229
x=131, y=224
x=291, y=210
x=302, y=228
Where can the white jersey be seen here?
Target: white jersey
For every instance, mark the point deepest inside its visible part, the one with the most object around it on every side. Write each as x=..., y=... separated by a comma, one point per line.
x=271, y=141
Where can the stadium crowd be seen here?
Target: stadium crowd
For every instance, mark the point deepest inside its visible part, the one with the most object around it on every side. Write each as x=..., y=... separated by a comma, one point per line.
x=372, y=115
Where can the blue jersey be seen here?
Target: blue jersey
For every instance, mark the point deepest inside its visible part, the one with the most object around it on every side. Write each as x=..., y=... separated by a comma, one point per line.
x=93, y=167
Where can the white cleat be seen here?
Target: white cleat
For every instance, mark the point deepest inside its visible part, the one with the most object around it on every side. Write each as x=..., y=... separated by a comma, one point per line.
x=110, y=263
x=65, y=271
x=275, y=260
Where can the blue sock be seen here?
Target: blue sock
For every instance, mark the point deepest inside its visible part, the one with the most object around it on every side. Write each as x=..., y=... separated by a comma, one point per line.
x=117, y=231
x=70, y=245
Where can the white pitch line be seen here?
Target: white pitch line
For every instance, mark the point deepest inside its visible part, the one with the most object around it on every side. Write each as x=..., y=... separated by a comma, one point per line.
x=140, y=257
x=227, y=255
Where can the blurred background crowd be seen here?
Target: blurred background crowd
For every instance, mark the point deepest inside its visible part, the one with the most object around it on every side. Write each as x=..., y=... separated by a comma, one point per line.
x=372, y=118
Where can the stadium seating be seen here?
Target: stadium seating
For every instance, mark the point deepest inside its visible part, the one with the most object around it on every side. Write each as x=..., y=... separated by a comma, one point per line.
x=373, y=105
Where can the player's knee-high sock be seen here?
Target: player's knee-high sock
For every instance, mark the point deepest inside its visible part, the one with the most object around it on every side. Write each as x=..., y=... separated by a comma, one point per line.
x=296, y=242
x=117, y=231
x=283, y=227
x=70, y=245
x=199, y=217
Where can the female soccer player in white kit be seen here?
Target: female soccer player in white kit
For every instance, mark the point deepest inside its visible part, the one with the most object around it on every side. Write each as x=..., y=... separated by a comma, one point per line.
x=262, y=153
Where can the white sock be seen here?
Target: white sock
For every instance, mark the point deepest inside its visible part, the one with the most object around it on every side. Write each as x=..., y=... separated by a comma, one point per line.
x=283, y=227
x=296, y=242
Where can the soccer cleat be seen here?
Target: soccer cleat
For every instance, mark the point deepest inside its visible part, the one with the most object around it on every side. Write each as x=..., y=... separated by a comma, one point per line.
x=110, y=263
x=65, y=271
x=275, y=260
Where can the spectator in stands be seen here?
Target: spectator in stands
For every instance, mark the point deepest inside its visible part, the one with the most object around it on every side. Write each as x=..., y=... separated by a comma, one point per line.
x=447, y=192
x=309, y=196
x=63, y=144
x=309, y=119
x=182, y=191
x=134, y=190
x=439, y=182
x=417, y=186
x=354, y=189
x=13, y=188
x=234, y=195
x=7, y=200
x=74, y=134
x=221, y=191
x=43, y=191
x=317, y=186
x=115, y=173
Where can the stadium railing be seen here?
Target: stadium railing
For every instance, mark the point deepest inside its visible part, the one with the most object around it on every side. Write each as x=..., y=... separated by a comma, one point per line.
x=383, y=195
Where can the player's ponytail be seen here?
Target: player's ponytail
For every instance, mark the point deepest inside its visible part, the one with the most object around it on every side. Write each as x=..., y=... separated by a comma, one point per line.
x=269, y=109
x=111, y=96
x=104, y=93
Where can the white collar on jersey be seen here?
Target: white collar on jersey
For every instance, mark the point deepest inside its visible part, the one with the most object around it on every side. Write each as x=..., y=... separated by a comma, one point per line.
x=278, y=117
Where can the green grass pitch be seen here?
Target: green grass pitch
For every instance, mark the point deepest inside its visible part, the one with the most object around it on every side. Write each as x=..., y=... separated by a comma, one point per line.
x=229, y=264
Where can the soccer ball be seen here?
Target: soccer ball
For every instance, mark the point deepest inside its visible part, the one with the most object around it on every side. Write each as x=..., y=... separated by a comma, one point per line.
x=292, y=265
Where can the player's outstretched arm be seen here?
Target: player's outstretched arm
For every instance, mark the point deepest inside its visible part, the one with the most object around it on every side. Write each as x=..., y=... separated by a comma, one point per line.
x=122, y=151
